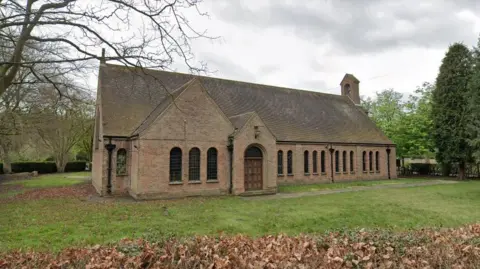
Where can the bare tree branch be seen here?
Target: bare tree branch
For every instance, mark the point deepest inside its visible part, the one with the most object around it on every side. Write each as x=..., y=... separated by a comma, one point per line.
x=136, y=33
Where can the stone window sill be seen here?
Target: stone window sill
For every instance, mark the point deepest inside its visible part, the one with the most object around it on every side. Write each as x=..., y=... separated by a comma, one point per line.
x=290, y=175
x=338, y=173
x=122, y=175
x=175, y=183
x=307, y=174
x=377, y=172
x=371, y=172
x=324, y=173
x=212, y=181
x=315, y=174
x=195, y=182
x=365, y=172
x=352, y=172
x=280, y=175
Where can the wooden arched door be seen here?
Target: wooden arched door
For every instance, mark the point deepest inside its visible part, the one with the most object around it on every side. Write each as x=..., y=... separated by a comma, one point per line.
x=253, y=169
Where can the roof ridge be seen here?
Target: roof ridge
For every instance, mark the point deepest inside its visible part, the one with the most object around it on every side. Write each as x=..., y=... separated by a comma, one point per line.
x=241, y=114
x=232, y=80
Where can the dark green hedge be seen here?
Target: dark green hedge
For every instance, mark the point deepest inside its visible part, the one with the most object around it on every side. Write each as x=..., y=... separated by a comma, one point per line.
x=421, y=168
x=44, y=167
x=77, y=166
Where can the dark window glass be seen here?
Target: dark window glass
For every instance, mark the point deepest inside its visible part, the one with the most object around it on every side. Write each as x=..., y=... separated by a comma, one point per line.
x=253, y=152
x=194, y=165
x=121, y=162
x=352, y=164
x=290, y=162
x=280, y=162
x=322, y=161
x=212, y=169
x=344, y=161
x=377, y=164
x=176, y=165
x=305, y=162
x=315, y=161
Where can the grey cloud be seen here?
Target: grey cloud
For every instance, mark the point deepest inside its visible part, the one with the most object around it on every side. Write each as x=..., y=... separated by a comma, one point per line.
x=314, y=85
x=353, y=25
x=224, y=68
x=268, y=69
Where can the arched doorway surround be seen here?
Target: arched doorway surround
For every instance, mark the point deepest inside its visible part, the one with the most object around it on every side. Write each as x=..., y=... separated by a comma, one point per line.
x=253, y=168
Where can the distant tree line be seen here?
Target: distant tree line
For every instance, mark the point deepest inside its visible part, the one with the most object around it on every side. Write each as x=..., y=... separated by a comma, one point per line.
x=440, y=120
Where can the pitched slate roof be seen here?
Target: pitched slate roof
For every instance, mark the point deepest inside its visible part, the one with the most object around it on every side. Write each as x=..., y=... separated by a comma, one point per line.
x=239, y=121
x=352, y=77
x=132, y=98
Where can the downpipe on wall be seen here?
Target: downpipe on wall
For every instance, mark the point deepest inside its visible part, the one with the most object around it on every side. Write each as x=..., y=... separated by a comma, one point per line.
x=230, y=151
x=331, y=149
x=109, y=147
x=388, y=161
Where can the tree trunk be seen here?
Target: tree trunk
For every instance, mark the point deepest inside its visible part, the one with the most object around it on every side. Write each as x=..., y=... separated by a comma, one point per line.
x=61, y=162
x=7, y=164
x=446, y=169
x=461, y=171
x=402, y=169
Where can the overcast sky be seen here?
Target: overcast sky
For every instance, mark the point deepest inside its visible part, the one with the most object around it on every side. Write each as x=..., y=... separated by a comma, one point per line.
x=311, y=44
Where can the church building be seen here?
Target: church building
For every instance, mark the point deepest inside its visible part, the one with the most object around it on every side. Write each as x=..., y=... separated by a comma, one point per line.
x=162, y=134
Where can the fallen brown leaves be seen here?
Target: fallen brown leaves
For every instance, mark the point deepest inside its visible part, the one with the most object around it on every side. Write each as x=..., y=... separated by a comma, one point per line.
x=447, y=248
x=76, y=191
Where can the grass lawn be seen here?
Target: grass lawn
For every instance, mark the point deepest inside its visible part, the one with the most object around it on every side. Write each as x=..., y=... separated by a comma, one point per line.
x=343, y=185
x=47, y=181
x=43, y=181
x=58, y=223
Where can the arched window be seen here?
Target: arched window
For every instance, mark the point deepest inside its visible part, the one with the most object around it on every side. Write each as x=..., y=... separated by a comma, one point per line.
x=280, y=162
x=352, y=164
x=176, y=165
x=344, y=161
x=364, y=160
x=377, y=164
x=121, y=162
x=315, y=162
x=305, y=162
x=337, y=161
x=212, y=168
x=370, y=160
x=194, y=165
x=346, y=89
x=322, y=161
x=290, y=162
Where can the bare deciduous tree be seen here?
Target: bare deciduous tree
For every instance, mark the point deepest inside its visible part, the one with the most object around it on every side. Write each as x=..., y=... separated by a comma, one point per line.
x=69, y=33
x=61, y=125
x=13, y=106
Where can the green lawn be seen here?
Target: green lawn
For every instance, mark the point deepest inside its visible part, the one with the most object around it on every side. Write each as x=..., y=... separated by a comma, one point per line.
x=51, y=180
x=59, y=223
x=43, y=181
x=343, y=185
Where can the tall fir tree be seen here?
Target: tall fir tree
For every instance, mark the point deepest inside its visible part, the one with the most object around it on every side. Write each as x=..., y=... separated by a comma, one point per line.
x=450, y=109
x=474, y=104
